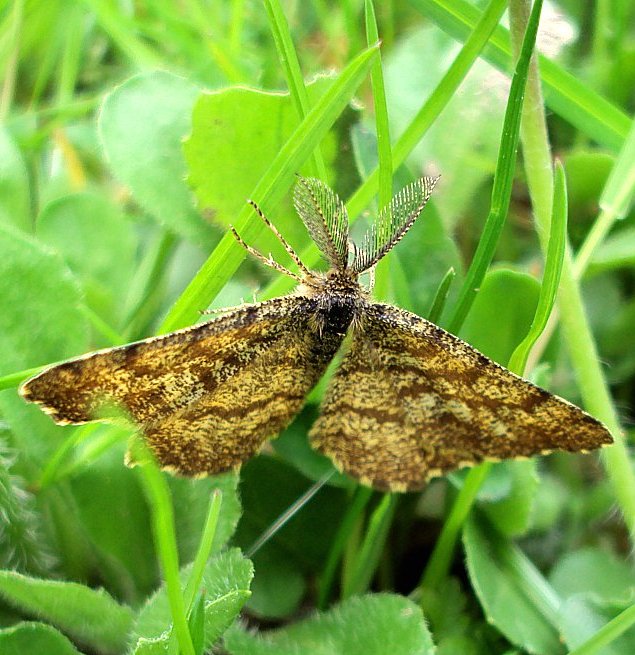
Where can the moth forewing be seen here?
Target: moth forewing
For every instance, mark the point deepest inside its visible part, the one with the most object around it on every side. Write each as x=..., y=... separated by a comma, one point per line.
x=411, y=401
x=207, y=397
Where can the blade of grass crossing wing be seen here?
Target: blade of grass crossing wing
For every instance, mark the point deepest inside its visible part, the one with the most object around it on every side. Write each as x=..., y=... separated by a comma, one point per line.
x=439, y=562
x=198, y=566
x=162, y=512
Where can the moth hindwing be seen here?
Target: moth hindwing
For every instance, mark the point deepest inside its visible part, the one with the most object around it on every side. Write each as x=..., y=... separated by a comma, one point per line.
x=409, y=401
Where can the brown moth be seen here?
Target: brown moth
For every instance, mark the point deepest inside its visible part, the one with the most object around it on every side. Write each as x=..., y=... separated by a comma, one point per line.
x=408, y=402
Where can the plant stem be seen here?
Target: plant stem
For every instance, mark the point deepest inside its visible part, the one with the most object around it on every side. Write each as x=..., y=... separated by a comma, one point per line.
x=577, y=332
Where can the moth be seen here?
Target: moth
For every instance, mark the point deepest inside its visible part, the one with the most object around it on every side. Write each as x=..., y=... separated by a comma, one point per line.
x=408, y=402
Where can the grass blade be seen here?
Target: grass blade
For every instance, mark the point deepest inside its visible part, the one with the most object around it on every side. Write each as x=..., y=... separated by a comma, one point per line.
x=158, y=494
x=551, y=277
x=293, y=73
x=503, y=179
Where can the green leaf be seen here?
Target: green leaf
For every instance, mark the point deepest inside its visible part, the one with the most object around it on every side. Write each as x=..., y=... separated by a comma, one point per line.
x=236, y=134
x=97, y=243
x=90, y=616
x=36, y=638
x=506, y=598
x=141, y=125
x=595, y=572
x=226, y=583
x=366, y=625
x=43, y=295
x=15, y=199
x=278, y=586
x=115, y=515
x=44, y=325
x=502, y=313
x=512, y=513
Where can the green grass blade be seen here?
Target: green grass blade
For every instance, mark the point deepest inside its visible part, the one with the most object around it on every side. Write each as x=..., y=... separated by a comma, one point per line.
x=607, y=633
x=551, y=277
x=372, y=546
x=503, y=179
x=415, y=131
x=200, y=560
x=592, y=114
x=384, y=149
x=295, y=81
x=273, y=186
x=162, y=512
x=441, y=296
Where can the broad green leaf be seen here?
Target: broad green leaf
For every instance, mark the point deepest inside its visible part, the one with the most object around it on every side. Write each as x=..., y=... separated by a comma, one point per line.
x=364, y=625
x=15, y=199
x=97, y=242
x=587, y=172
x=226, y=583
x=511, y=513
x=114, y=513
x=236, y=133
x=502, y=313
x=89, y=615
x=596, y=572
x=141, y=125
x=278, y=586
x=34, y=638
x=43, y=325
x=505, y=597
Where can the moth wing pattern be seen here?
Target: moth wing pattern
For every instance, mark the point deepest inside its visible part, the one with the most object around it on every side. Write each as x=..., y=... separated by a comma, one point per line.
x=205, y=398
x=325, y=218
x=410, y=401
x=393, y=222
